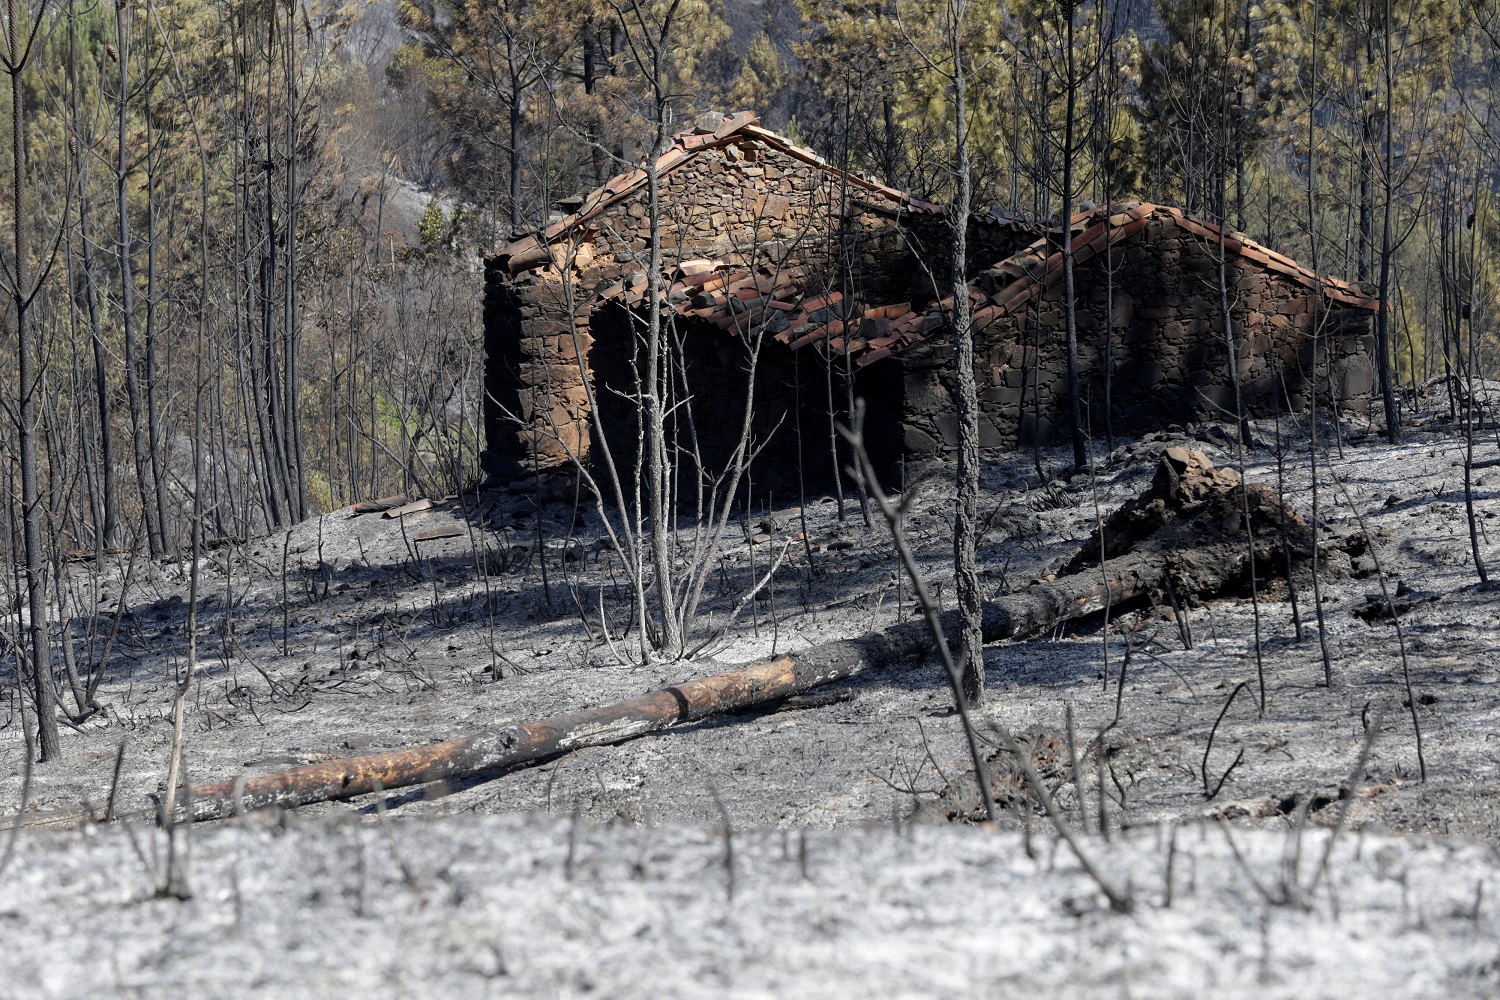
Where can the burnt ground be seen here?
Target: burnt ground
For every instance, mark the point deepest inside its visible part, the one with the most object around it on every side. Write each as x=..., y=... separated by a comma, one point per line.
x=348, y=635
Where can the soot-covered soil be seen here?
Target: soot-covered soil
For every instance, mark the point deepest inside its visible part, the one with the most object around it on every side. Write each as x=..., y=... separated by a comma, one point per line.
x=854, y=868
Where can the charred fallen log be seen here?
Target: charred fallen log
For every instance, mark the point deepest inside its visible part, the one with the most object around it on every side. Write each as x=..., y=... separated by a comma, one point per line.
x=757, y=685
x=508, y=746
x=1189, y=528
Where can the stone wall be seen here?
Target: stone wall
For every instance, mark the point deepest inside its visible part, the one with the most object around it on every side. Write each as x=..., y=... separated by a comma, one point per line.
x=561, y=320
x=536, y=402
x=1165, y=348
x=790, y=430
x=748, y=201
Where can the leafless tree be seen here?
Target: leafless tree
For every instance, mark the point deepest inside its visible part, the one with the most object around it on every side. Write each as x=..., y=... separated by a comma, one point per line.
x=24, y=284
x=952, y=67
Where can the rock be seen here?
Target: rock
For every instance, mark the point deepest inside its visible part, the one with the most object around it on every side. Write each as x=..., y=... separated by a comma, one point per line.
x=1186, y=476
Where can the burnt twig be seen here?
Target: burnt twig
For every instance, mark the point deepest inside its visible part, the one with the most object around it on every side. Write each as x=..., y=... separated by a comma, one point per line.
x=1207, y=794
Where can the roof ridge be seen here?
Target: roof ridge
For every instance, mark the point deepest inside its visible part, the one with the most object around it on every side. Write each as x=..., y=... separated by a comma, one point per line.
x=685, y=145
x=529, y=250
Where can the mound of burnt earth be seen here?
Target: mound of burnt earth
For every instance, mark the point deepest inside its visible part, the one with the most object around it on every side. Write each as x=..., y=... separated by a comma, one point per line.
x=1194, y=530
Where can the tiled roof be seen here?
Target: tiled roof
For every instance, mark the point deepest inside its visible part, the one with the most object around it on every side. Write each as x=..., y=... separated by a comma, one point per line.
x=1011, y=284
x=727, y=294
x=798, y=311
x=529, y=251
x=780, y=302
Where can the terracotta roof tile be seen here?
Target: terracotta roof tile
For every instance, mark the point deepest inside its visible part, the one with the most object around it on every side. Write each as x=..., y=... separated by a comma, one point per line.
x=1017, y=294
x=734, y=123
x=984, y=317
x=1283, y=266
x=669, y=159
x=524, y=244
x=1192, y=225
x=1095, y=237
x=831, y=328
x=820, y=301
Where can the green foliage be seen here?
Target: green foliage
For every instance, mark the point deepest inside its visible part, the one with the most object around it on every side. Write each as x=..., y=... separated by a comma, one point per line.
x=430, y=228
x=763, y=75
x=1198, y=108
x=255, y=134
x=881, y=71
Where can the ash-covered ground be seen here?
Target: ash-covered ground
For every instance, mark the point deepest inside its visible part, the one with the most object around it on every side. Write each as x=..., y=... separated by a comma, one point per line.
x=822, y=849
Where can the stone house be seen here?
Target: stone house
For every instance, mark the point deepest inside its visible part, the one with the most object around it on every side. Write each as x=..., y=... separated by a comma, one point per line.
x=791, y=279
x=1149, y=275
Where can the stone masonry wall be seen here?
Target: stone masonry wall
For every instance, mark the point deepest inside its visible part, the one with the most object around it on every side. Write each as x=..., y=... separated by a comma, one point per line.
x=556, y=329
x=748, y=201
x=789, y=422
x=1165, y=347
x=536, y=401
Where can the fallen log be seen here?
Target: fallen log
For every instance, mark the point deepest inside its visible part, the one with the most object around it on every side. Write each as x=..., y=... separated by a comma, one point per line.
x=1189, y=502
x=758, y=685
